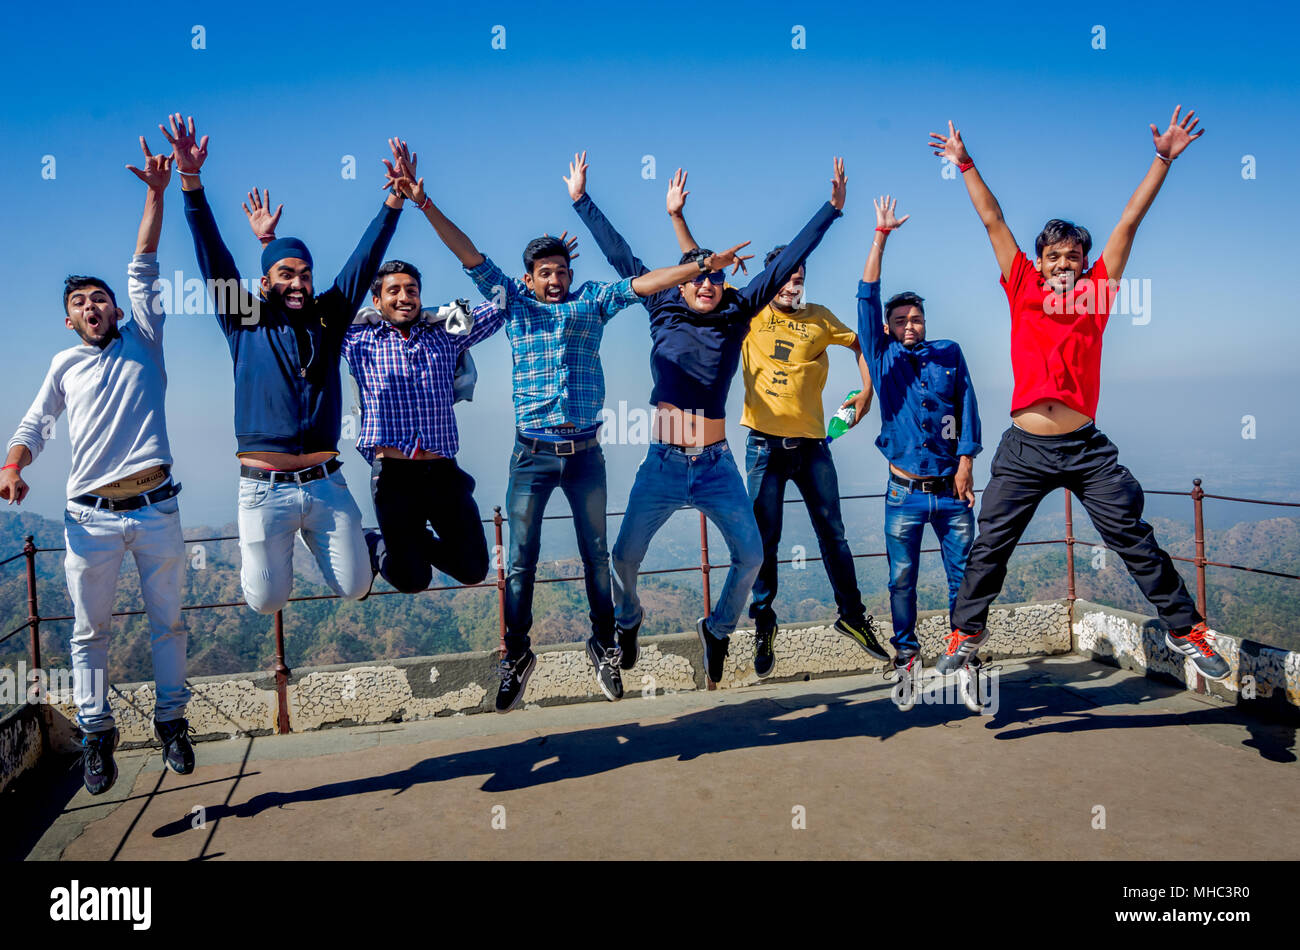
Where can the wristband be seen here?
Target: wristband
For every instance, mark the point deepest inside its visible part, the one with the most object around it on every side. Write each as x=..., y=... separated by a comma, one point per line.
x=886, y=230
x=426, y=204
x=1164, y=158
x=10, y=465
x=266, y=237
x=964, y=167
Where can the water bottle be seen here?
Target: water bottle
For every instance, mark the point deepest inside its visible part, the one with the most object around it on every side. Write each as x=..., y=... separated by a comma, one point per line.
x=841, y=421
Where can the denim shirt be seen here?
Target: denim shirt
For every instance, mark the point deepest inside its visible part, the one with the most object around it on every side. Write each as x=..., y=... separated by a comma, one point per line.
x=928, y=413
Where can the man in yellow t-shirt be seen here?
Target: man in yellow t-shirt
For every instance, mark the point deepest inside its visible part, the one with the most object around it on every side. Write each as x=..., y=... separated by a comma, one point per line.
x=785, y=366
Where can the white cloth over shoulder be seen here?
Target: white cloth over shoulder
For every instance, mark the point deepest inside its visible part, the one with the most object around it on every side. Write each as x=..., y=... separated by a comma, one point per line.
x=455, y=318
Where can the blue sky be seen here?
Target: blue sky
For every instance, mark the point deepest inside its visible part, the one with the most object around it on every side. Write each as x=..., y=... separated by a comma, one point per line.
x=1057, y=127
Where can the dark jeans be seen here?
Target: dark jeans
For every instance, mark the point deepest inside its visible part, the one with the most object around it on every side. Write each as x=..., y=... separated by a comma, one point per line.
x=1024, y=470
x=412, y=495
x=533, y=476
x=807, y=463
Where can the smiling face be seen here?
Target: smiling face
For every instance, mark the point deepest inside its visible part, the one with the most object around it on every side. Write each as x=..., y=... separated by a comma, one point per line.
x=289, y=279
x=906, y=324
x=550, y=279
x=1062, y=264
x=92, y=314
x=704, y=293
x=788, y=297
x=398, y=300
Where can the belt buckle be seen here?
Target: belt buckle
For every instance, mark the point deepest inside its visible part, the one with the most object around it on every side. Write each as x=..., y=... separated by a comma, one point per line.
x=693, y=450
x=785, y=443
x=572, y=448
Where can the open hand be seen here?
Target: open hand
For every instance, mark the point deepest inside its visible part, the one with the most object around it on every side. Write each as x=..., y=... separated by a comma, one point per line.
x=677, y=192
x=569, y=242
x=950, y=146
x=839, y=185
x=1178, y=136
x=885, y=217
x=727, y=258
x=260, y=218
x=188, y=154
x=577, y=177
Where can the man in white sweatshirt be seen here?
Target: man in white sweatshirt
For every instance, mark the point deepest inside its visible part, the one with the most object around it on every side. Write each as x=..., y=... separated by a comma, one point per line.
x=121, y=496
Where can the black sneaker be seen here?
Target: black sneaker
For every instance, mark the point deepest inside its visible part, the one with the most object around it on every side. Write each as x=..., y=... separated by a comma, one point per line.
x=961, y=647
x=514, y=677
x=1194, y=646
x=764, y=658
x=864, y=635
x=99, y=771
x=715, y=650
x=373, y=539
x=627, y=643
x=606, y=660
x=178, y=753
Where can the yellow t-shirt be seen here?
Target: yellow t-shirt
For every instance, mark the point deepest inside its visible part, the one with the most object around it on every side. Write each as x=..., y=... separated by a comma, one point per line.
x=785, y=367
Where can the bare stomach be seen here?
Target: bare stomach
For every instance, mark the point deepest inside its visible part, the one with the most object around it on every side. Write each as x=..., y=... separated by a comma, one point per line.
x=131, y=485
x=392, y=452
x=681, y=427
x=283, y=461
x=1049, y=417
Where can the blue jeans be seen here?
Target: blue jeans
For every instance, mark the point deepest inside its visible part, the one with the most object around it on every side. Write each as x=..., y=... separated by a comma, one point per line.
x=668, y=479
x=533, y=476
x=771, y=462
x=97, y=542
x=906, y=514
x=324, y=513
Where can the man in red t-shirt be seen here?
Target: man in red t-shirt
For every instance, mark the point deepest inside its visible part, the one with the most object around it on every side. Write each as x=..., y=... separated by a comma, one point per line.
x=1059, y=309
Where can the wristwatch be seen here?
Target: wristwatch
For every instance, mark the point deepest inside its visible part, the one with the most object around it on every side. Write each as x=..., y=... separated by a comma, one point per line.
x=701, y=259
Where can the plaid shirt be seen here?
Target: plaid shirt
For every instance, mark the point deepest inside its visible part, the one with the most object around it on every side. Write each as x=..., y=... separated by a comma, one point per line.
x=406, y=384
x=557, y=375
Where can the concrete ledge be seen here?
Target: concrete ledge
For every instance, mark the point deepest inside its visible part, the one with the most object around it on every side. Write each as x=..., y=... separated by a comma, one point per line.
x=21, y=742
x=1264, y=679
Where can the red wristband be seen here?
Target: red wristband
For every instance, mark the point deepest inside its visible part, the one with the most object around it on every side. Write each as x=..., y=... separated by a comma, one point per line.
x=10, y=465
x=426, y=204
x=964, y=167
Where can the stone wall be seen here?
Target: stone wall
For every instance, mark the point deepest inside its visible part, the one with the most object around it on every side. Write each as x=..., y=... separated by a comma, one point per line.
x=21, y=744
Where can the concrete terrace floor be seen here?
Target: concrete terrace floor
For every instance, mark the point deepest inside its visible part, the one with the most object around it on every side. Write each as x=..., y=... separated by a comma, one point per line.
x=723, y=774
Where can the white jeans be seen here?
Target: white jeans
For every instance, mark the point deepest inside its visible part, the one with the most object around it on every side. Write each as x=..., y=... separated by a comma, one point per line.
x=324, y=513
x=97, y=541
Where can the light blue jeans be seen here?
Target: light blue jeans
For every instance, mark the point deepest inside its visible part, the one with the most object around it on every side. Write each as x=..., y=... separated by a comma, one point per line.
x=668, y=479
x=324, y=513
x=97, y=541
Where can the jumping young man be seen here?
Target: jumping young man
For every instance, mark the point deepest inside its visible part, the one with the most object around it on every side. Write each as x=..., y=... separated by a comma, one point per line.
x=785, y=364
x=121, y=496
x=559, y=390
x=697, y=328
x=285, y=347
x=929, y=433
x=1059, y=310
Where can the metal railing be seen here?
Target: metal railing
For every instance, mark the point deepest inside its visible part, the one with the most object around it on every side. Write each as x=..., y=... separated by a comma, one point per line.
x=282, y=671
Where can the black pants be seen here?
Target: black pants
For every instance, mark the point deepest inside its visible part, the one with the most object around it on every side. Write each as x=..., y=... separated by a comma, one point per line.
x=1025, y=469
x=412, y=495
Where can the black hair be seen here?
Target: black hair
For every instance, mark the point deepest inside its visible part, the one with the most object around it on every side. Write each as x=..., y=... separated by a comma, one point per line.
x=699, y=253
x=393, y=267
x=775, y=253
x=908, y=298
x=75, y=282
x=1056, y=231
x=541, y=247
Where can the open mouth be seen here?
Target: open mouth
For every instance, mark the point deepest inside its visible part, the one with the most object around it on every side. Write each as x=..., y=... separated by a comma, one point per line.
x=94, y=322
x=294, y=299
x=554, y=294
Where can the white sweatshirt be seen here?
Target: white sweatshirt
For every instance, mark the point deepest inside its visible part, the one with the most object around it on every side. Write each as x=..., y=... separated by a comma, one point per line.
x=115, y=396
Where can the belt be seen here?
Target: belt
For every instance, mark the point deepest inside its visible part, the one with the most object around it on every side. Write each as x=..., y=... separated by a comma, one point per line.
x=931, y=485
x=161, y=493
x=786, y=442
x=567, y=447
x=301, y=475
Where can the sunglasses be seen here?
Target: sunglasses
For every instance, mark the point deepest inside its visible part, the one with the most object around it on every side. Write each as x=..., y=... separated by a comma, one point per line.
x=715, y=277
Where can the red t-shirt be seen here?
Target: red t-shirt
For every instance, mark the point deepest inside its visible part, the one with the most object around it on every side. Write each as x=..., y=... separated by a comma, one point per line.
x=1056, y=339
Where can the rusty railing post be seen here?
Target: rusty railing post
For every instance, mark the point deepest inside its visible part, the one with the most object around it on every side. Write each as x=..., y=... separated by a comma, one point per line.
x=704, y=563
x=33, y=610
x=1198, y=493
x=1069, y=556
x=281, y=677
x=497, y=521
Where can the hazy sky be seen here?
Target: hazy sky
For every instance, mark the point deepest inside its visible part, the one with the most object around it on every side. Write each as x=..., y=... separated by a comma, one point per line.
x=1058, y=128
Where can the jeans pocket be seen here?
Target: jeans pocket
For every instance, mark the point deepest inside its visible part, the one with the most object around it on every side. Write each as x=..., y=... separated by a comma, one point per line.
x=79, y=514
x=252, y=492
x=169, y=506
x=895, y=495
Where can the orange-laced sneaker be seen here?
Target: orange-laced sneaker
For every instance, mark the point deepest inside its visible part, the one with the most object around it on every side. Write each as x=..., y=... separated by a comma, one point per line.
x=961, y=647
x=1194, y=646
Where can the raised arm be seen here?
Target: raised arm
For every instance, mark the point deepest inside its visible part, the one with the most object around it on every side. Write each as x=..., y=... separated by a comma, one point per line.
x=157, y=172
x=759, y=292
x=142, y=273
x=952, y=148
x=676, y=202
x=1169, y=145
x=448, y=233
x=188, y=155
x=657, y=281
x=354, y=279
x=611, y=243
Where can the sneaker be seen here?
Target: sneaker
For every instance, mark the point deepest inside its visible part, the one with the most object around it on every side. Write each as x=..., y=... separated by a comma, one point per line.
x=968, y=684
x=864, y=635
x=715, y=650
x=99, y=771
x=178, y=752
x=606, y=660
x=627, y=642
x=961, y=647
x=373, y=538
x=1193, y=645
x=514, y=677
x=907, y=671
x=764, y=658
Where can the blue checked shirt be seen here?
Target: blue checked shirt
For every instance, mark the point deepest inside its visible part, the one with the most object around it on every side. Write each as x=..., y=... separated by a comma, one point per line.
x=557, y=375
x=406, y=384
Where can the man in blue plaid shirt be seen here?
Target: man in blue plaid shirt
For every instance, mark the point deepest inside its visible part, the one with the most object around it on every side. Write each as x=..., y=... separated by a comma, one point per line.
x=404, y=361
x=559, y=389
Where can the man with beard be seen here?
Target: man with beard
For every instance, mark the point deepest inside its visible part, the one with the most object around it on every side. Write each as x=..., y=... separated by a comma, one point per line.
x=121, y=496
x=288, y=398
